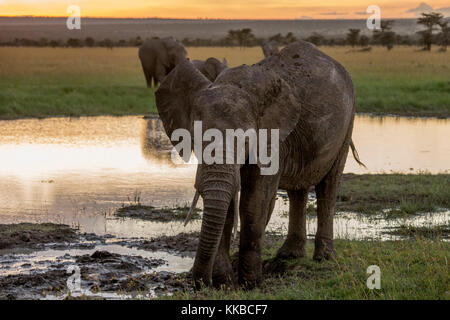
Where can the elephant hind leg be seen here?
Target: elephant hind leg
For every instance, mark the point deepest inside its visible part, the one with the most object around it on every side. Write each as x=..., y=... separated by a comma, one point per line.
x=294, y=245
x=222, y=269
x=326, y=192
x=148, y=76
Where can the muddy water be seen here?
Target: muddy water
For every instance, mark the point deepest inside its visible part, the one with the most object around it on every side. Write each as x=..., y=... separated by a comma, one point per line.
x=78, y=171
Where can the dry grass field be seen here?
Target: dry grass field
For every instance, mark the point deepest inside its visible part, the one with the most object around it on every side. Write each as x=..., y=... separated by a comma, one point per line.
x=76, y=81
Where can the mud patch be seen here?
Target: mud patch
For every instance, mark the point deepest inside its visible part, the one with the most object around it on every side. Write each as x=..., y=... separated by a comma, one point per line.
x=31, y=235
x=182, y=244
x=35, y=261
x=144, y=212
x=102, y=274
x=43, y=236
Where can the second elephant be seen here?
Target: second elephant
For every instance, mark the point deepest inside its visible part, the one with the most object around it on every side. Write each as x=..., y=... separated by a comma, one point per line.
x=210, y=68
x=159, y=56
x=269, y=48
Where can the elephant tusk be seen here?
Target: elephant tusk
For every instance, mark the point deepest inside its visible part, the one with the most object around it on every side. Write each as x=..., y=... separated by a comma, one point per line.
x=236, y=214
x=191, y=210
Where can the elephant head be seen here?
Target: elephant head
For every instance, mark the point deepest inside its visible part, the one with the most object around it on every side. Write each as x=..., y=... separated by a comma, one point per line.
x=269, y=48
x=175, y=51
x=230, y=102
x=211, y=67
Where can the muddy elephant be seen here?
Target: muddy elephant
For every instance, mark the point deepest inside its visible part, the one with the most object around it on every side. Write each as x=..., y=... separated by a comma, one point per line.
x=269, y=48
x=309, y=98
x=159, y=56
x=211, y=67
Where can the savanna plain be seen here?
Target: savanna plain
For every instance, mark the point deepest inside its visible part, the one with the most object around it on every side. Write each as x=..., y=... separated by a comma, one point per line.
x=42, y=82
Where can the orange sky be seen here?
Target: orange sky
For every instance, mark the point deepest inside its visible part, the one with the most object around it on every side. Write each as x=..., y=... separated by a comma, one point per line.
x=223, y=9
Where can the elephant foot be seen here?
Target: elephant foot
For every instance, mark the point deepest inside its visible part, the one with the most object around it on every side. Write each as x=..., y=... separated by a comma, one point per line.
x=292, y=248
x=250, y=271
x=324, y=249
x=222, y=276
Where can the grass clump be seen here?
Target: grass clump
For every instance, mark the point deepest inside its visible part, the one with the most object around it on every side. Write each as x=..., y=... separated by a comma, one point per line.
x=402, y=193
x=165, y=214
x=418, y=232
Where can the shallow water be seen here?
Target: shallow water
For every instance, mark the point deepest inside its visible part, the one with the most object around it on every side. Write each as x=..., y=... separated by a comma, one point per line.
x=78, y=171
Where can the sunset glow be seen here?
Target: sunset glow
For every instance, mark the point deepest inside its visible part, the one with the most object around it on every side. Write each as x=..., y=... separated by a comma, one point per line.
x=230, y=9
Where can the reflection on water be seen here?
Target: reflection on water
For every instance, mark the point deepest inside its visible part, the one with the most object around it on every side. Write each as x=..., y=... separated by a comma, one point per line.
x=80, y=170
x=399, y=144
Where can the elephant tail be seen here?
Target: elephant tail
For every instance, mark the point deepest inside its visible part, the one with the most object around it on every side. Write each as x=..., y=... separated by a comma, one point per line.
x=356, y=155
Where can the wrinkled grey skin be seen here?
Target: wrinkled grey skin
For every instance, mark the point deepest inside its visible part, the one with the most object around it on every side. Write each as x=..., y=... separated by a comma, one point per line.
x=269, y=48
x=309, y=97
x=159, y=56
x=210, y=68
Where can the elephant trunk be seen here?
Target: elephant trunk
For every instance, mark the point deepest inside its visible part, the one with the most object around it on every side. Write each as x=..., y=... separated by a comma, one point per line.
x=217, y=190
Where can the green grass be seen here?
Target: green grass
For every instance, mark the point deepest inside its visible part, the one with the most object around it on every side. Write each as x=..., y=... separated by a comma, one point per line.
x=69, y=100
x=409, y=270
x=410, y=97
x=402, y=193
x=41, y=82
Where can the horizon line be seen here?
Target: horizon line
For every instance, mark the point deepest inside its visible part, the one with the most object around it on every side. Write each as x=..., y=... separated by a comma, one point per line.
x=195, y=19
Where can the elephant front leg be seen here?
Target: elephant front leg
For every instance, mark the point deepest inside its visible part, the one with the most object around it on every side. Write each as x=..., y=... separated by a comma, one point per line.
x=294, y=246
x=222, y=270
x=326, y=192
x=257, y=193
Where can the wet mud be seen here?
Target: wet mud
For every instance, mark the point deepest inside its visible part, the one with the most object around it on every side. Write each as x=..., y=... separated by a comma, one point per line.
x=46, y=261
x=183, y=244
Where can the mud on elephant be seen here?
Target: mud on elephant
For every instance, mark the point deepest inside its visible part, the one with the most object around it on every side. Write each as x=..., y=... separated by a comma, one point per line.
x=309, y=97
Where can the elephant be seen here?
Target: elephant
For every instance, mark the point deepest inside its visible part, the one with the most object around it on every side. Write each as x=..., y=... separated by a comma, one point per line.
x=159, y=56
x=309, y=98
x=211, y=68
x=269, y=48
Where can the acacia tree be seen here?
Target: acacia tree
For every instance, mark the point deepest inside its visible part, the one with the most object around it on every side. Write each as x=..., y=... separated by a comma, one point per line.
x=243, y=37
x=385, y=36
x=364, y=41
x=444, y=35
x=430, y=21
x=89, y=42
x=353, y=37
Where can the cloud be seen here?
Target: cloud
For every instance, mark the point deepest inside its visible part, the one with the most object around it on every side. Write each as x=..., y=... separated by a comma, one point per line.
x=445, y=11
x=425, y=8
x=361, y=13
x=305, y=18
x=422, y=7
x=333, y=13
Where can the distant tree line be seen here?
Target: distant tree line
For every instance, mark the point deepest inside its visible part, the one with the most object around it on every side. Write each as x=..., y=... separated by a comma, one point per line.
x=74, y=43
x=436, y=32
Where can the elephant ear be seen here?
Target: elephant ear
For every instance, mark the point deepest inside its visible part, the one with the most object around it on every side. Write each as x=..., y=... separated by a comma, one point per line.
x=280, y=109
x=211, y=68
x=175, y=95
